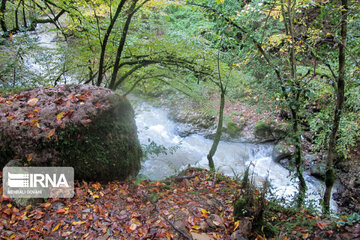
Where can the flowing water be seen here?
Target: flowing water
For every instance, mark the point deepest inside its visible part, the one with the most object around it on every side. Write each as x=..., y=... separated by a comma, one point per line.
x=154, y=125
x=231, y=158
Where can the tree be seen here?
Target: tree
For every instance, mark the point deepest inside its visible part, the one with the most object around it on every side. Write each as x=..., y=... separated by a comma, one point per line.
x=340, y=97
x=286, y=74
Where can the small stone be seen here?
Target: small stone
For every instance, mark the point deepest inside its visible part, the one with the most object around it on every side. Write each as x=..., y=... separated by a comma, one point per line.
x=238, y=235
x=214, y=221
x=204, y=226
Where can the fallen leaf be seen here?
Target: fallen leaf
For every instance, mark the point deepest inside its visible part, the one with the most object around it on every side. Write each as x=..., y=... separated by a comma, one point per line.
x=32, y=102
x=79, y=222
x=60, y=115
x=204, y=212
x=56, y=228
x=51, y=133
x=30, y=157
x=61, y=210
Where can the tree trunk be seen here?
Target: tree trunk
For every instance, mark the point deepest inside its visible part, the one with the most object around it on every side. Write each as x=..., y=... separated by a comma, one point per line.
x=218, y=132
x=2, y=15
x=298, y=158
x=105, y=41
x=122, y=45
x=330, y=172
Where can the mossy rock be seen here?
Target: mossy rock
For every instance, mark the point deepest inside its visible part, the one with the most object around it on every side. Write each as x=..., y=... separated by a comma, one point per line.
x=266, y=132
x=280, y=152
x=89, y=128
x=233, y=129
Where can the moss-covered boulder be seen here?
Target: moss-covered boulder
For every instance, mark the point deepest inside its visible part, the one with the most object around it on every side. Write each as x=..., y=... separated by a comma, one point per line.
x=266, y=132
x=89, y=128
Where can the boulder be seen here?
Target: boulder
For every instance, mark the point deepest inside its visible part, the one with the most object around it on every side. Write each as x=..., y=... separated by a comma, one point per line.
x=89, y=128
x=281, y=152
x=265, y=132
x=319, y=170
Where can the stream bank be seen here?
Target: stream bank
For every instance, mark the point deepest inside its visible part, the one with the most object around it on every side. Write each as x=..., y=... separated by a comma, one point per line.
x=231, y=158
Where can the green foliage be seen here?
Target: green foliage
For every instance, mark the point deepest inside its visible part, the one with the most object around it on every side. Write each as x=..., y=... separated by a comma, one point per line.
x=154, y=149
x=349, y=220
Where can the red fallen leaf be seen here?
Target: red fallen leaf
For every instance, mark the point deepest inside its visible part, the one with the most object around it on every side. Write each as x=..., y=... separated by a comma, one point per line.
x=59, y=101
x=7, y=211
x=321, y=225
x=81, y=97
x=61, y=210
x=69, y=113
x=6, y=198
x=2, y=100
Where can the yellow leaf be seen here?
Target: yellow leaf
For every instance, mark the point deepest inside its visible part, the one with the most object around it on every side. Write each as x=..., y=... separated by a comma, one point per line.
x=60, y=116
x=96, y=196
x=9, y=205
x=56, y=228
x=237, y=223
x=28, y=207
x=78, y=223
x=51, y=133
x=205, y=213
x=196, y=227
x=32, y=102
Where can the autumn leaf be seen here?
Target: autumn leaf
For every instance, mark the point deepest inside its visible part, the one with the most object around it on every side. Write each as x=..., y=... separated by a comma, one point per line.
x=32, y=102
x=61, y=210
x=30, y=157
x=205, y=213
x=237, y=223
x=321, y=225
x=69, y=113
x=51, y=133
x=78, y=222
x=60, y=115
x=56, y=228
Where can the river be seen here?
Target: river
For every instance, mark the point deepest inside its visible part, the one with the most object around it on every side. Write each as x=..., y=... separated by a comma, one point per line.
x=154, y=125
x=231, y=158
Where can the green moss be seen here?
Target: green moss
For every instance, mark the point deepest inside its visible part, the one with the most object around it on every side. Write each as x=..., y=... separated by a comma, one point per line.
x=106, y=149
x=232, y=128
x=6, y=153
x=261, y=126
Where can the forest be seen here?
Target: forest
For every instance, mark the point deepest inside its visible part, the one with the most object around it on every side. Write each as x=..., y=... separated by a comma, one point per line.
x=238, y=119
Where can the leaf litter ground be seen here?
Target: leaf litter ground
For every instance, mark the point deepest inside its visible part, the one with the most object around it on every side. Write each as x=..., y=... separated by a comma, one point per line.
x=195, y=206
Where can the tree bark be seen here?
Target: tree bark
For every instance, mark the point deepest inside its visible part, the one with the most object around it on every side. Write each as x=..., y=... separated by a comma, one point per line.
x=330, y=172
x=122, y=45
x=2, y=15
x=105, y=41
x=218, y=132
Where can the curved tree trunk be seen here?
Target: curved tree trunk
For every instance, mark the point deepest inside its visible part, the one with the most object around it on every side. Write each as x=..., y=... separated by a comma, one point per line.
x=330, y=172
x=218, y=132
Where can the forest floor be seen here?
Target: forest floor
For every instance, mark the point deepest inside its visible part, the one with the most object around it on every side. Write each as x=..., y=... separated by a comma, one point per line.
x=197, y=205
